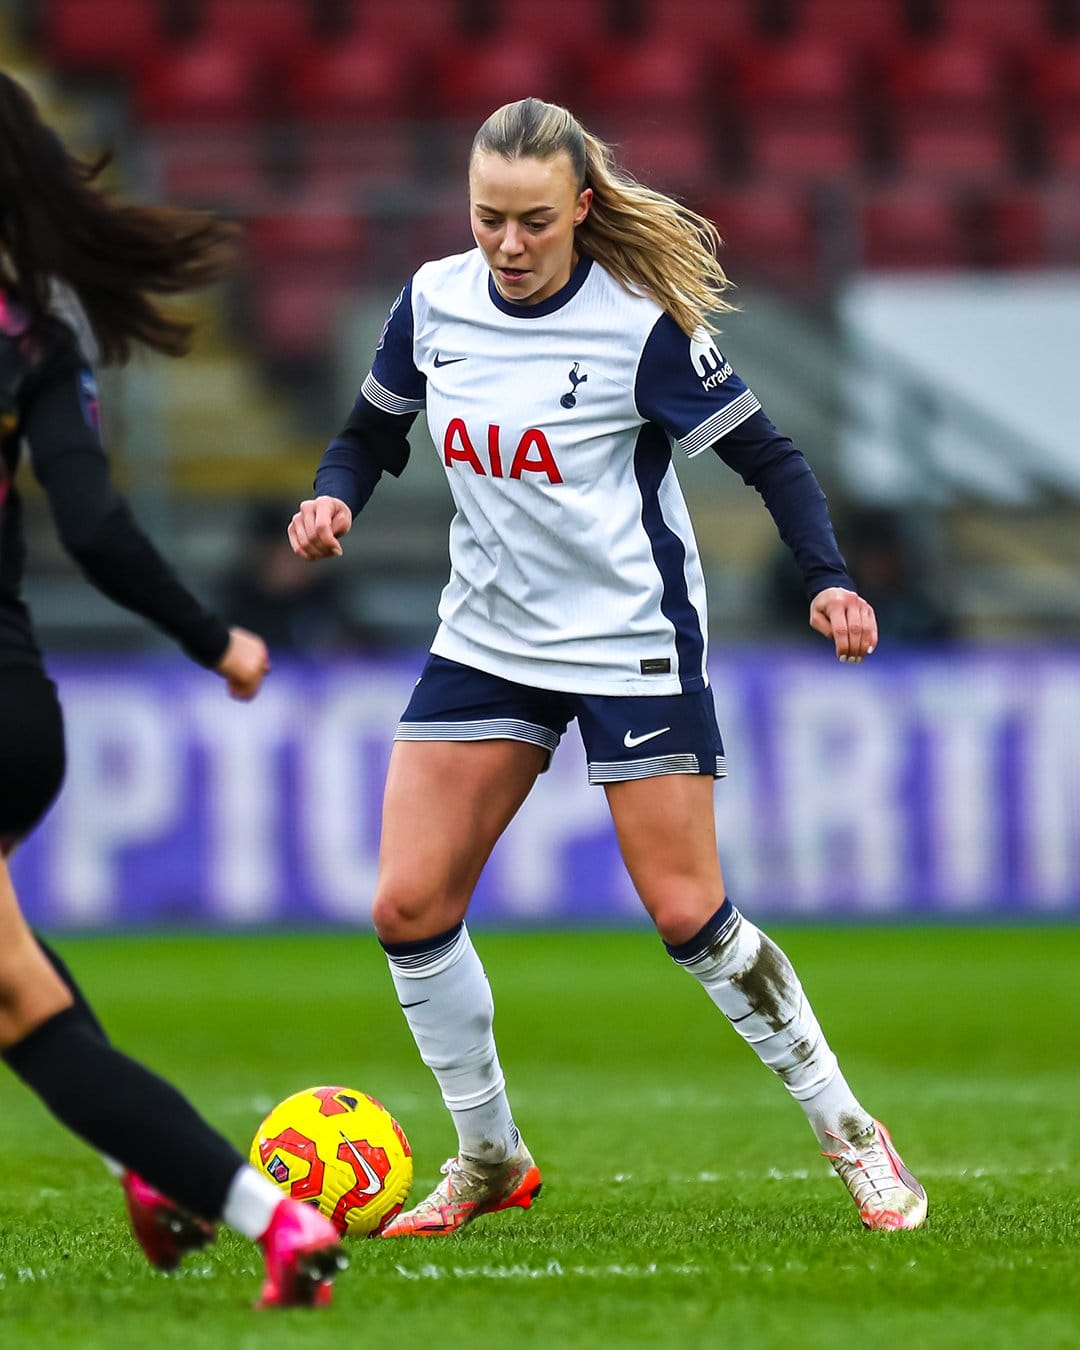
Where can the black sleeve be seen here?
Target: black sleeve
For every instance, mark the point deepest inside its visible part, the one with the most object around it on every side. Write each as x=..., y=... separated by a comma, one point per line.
x=370, y=442
x=770, y=463
x=94, y=522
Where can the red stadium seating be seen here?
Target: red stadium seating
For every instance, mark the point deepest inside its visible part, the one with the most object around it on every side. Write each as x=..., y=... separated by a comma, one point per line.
x=863, y=23
x=472, y=80
x=348, y=79
x=109, y=37
x=798, y=76
x=947, y=112
x=800, y=109
x=1037, y=226
x=439, y=229
x=309, y=237
x=1061, y=208
x=209, y=84
x=354, y=161
x=571, y=26
x=967, y=149
x=669, y=156
x=769, y=231
x=727, y=23
x=1050, y=82
x=996, y=23
x=645, y=79
x=302, y=268
x=912, y=226
x=417, y=25
x=1015, y=227
x=267, y=28
x=226, y=173
x=949, y=75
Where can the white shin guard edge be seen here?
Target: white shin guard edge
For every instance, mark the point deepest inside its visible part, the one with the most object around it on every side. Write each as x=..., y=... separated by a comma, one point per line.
x=450, y=1012
x=755, y=986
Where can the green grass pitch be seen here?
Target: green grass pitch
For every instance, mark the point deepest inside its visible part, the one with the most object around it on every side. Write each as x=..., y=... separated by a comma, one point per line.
x=684, y=1201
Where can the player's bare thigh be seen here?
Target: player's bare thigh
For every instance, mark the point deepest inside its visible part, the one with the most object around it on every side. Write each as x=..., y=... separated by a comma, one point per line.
x=30, y=990
x=667, y=834
x=446, y=804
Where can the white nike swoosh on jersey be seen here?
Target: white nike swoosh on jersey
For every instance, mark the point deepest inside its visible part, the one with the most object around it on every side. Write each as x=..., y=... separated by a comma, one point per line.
x=374, y=1185
x=630, y=740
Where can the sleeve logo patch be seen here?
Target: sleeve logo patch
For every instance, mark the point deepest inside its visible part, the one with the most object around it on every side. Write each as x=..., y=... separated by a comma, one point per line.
x=708, y=361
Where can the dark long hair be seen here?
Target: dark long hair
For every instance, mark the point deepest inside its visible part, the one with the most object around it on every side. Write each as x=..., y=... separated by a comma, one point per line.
x=56, y=221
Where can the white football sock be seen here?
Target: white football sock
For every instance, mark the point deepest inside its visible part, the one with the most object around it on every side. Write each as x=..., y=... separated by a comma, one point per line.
x=445, y=996
x=753, y=984
x=250, y=1203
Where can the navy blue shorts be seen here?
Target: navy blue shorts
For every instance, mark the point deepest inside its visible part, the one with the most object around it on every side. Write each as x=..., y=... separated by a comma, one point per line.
x=632, y=736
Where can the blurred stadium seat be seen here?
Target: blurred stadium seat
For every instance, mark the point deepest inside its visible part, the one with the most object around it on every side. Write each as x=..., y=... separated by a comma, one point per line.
x=571, y=27
x=349, y=78
x=999, y=23
x=863, y=23
x=1015, y=228
x=799, y=109
x=673, y=157
x=211, y=84
x=437, y=230
x=303, y=267
x=1050, y=84
x=770, y=232
x=228, y=172
x=947, y=111
x=472, y=80
x=419, y=24
x=102, y=37
x=1035, y=226
x=355, y=160
x=721, y=23
x=911, y=225
x=644, y=78
x=267, y=28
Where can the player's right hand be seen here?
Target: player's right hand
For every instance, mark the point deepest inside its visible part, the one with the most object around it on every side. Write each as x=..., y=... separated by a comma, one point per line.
x=317, y=527
x=244, y=664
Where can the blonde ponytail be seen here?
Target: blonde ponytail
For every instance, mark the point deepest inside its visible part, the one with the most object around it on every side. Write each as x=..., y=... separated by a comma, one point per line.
x=650, y=243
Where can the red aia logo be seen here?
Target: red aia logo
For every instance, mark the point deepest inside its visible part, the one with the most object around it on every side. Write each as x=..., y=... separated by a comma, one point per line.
x=532, y=455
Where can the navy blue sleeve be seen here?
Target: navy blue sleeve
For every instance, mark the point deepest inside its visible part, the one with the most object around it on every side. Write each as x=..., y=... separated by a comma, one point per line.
x=394, y=384
x=686, y=386
x=370, y=443
x=375, y=438
x=769, y=462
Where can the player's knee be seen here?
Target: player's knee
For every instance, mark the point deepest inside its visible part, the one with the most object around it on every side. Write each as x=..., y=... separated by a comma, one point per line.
x=680, y=916
x=404, y=912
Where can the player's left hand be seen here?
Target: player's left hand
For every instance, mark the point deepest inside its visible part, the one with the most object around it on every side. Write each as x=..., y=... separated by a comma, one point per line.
x=847, y=619
x=245, y=663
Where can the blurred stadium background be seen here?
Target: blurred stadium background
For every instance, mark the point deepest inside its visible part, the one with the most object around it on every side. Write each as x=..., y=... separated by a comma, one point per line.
x=898, y=183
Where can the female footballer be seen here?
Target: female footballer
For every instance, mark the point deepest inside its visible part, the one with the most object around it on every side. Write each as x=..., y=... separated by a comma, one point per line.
x=80, y=268
x=560, y=364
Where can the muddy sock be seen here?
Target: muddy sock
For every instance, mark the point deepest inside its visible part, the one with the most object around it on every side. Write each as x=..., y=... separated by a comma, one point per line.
x=753, y=984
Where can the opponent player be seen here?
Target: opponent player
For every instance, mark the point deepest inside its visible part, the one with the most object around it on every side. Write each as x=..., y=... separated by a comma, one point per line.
x=558, y=364
x=71, y=253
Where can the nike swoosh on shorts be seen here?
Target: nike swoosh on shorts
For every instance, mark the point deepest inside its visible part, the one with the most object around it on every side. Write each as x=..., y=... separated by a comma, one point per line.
x=630, y=740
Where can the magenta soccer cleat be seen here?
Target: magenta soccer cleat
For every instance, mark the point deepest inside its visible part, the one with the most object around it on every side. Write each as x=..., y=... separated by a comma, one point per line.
x=303, y=1254
x=164, y=1231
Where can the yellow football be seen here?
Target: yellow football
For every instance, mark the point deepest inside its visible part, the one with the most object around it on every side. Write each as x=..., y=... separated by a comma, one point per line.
x=339, y=1149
